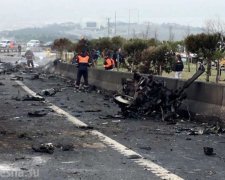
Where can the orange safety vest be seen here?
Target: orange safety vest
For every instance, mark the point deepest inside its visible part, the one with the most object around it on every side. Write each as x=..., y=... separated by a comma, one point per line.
x=109, y=63
x=11, y=45
x=83, y=59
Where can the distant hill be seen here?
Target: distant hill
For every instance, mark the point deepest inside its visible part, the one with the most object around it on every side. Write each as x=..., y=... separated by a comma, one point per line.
x=74, y=31
x=46, y=33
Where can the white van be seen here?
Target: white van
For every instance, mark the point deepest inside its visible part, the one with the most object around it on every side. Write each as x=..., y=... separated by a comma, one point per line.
x=5, y=43
x=33, y=43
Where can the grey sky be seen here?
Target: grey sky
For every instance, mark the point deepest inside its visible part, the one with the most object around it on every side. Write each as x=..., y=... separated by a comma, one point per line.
x=21, y=13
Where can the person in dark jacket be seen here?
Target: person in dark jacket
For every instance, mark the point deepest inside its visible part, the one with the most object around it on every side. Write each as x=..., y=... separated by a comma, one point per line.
x=178, y=67
x=83, y=62
x=29, y=55
x=19, y=49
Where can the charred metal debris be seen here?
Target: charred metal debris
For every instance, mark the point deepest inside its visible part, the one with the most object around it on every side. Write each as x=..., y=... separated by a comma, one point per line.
x=146, y=96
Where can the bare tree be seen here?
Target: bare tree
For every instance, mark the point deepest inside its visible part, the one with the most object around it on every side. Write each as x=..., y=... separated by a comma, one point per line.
x=215, y=26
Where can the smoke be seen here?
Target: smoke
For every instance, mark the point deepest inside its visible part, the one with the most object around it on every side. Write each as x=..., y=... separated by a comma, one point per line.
x=44, y=58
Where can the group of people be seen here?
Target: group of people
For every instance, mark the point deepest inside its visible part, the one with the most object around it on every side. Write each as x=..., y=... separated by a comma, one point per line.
x=84, y=60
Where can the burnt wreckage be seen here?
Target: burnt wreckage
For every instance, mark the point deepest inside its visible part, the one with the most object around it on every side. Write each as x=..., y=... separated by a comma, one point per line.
x=144, y=95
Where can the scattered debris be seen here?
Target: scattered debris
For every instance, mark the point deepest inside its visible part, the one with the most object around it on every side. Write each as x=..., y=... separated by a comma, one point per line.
x=3, y=132
x=117, y=116
x=208, y=151
x=47, y=92
x=32, y=98
x=116, y=121
x=201, y=131
x=147, y=148
x=7, y=68
x=97, y=110
x=213, y=130
x=44, y=148
x=24, y=169
x=35, y=76
x=67, y=147
x=86, y=127
x=2, y=84
x=24, y=136
x=134, y=156
x=146, y=96
x=17, y=78
x=37, y=113
x=19, y=158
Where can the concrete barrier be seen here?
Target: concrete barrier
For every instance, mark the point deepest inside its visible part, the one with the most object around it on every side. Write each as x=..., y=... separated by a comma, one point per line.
x=205, y=99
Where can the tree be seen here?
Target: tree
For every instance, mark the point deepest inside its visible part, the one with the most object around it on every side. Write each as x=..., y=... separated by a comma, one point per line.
x=156, y=60
x=104, y=43
x=117, y=42
x=83, y=44
x=61, y=45
x=133, y=48
x=213, y=26
x=206, y=45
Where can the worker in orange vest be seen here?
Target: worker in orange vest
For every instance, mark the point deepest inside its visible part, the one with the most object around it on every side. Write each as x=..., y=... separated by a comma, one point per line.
x=83, y=61
x=109, y=63
x=11, y=45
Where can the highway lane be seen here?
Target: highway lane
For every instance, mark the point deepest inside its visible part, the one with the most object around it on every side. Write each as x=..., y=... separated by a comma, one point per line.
x=167, y=146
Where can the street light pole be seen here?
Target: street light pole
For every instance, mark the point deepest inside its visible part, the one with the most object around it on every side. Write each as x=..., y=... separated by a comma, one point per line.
x=115, y=23
x=108, y=27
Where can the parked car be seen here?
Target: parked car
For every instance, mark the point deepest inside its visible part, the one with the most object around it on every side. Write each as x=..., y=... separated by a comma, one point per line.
x=48, y=44
x=33, y=43
x=7, y=44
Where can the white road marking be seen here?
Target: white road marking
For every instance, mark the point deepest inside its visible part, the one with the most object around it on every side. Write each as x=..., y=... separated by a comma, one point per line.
x=137, y=158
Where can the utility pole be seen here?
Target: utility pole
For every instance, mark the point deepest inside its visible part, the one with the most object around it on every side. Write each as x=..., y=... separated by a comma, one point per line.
x=138, y=17
x=128, y=25
x=147, y=30
x=115, y=23
x=171, y=34
x=156, y=34
x=108, y=27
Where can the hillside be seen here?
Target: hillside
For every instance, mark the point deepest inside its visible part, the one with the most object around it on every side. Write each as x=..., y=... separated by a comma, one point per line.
x=74, y=31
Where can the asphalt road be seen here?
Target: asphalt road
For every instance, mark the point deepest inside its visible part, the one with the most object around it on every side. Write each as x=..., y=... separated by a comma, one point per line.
x=111, y=148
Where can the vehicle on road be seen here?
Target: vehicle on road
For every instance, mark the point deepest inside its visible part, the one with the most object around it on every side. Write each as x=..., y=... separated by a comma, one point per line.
x=48, y=44
x=33, y=43
x=7, y=44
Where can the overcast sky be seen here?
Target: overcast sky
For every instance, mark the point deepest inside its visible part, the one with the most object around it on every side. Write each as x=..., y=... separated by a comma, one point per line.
x=21, y=13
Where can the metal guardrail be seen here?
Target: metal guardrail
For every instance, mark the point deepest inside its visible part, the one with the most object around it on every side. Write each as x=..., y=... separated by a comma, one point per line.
x=6, y=50
x=15, y=49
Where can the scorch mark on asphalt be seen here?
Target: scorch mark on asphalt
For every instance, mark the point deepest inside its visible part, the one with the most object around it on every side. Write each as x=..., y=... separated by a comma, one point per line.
x=136, y=157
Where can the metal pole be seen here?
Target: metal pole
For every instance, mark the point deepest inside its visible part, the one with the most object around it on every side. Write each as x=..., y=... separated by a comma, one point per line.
x=129, y=25
x=108, y=27
x=115, y=23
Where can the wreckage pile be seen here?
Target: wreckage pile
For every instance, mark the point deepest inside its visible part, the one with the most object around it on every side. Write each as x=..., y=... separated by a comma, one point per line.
x=145, y=96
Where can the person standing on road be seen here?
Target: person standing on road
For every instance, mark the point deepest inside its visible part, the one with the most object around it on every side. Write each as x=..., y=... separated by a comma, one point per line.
x=178, y=67
x=29, y=55
x=19, y=49
x=83, y=62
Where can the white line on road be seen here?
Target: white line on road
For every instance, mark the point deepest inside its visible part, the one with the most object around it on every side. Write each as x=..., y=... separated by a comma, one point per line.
x=137, y=158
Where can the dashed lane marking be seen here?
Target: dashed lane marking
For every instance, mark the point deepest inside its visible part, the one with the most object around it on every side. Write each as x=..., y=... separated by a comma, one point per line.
x=149, y=165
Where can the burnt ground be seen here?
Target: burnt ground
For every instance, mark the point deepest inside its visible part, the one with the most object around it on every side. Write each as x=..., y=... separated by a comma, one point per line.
x=176, y=147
